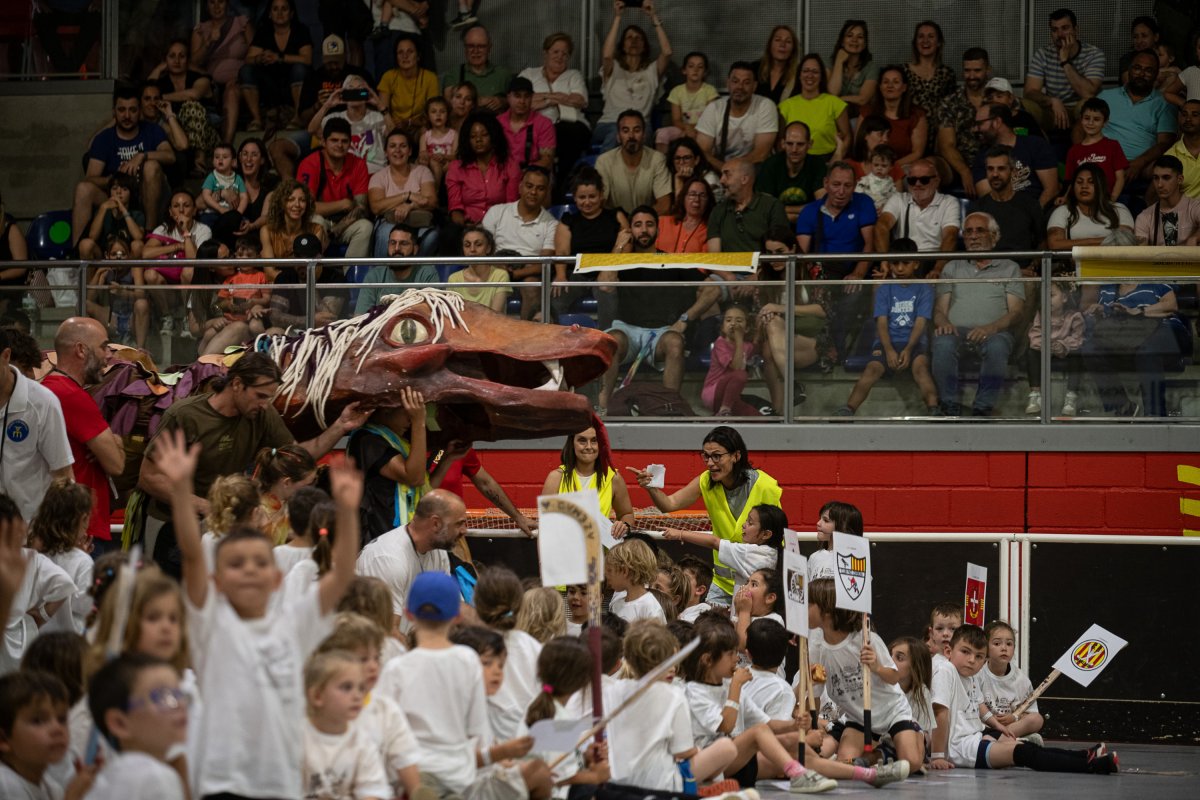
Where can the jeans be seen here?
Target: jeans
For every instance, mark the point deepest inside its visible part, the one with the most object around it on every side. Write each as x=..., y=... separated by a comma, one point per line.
x=993, y=356
x=273, y=81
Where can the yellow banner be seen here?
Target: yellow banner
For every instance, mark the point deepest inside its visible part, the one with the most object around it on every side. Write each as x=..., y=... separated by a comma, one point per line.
x=1120, y=262
x=726, y=262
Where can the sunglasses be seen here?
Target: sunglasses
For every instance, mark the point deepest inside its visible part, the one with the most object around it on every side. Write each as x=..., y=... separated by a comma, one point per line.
x=919, y=180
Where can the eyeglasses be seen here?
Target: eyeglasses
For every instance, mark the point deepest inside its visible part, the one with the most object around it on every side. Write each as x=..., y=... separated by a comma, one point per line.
x=162, y=700
x=709, y=458
x=919, y=180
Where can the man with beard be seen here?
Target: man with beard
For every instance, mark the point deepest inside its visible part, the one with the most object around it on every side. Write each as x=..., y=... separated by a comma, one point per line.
x=740, y=221
x=230, y=425
x=33, y=439
x=975, y=318
x=81, y=349
x=1141, y=119
x=742, y=125
x=1062, y=73
x=955, y=118
x=1187, y=149
x=1034, y=165
x=133, y=146
x=634, y=175
x=923, y=214
x=1022, y=223
x=652, y=321
x=397, y=557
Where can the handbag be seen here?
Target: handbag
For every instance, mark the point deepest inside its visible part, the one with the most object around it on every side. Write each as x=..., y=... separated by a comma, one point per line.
x=1123, y=334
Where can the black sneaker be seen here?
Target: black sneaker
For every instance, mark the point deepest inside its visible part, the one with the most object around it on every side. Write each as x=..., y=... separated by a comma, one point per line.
x=1107, y=764
x=463, y=19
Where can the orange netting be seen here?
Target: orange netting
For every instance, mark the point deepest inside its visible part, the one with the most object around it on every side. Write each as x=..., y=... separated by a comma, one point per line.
x=648, y=519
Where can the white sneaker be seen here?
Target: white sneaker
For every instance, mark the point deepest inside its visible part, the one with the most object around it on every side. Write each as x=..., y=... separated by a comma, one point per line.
x=1034, y=404
x=1034, y=739
x=168, y=326
x=890, y=773
x=810, y=782
x=744, y=794
x=1070, y=404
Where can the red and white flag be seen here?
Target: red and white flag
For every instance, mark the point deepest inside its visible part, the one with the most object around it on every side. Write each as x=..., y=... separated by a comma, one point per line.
x=975, y=596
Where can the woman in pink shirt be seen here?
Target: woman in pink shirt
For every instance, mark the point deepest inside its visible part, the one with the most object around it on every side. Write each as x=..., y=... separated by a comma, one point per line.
x=483, y=174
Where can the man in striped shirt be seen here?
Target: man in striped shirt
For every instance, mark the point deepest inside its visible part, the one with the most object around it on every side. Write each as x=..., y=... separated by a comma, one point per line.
x=1063, y=73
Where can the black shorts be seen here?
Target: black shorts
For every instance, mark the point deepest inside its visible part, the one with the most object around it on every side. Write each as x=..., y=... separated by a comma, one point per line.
x=898, y=727
x=835, y=730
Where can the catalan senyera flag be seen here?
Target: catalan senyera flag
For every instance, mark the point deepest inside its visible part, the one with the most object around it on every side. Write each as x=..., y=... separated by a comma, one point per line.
x=1090, y=654
x=975, y=595
x=724, y=262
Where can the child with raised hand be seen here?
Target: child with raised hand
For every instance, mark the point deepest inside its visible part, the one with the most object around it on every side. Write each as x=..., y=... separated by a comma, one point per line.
x=249, y=656
x=1004, y=686
x=833, y=516
x=700, y=573
x=564, y=667
x=542, y=615
x=498, y=598
x=714, y=694
x=301, y=538
x=843, y=653
x=756, y=600
x=629, y=568
x=976, y=739
x=371, y=598
x=762, y=540
x=33, y=737
x=142, y=712
x=381, y=721
x=280, y=472
x=59, y=531
x=915, y=668
x=341, y=762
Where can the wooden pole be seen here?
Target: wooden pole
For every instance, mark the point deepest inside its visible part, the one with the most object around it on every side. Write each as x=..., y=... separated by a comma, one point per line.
x=866, y=639
x=1028, y=701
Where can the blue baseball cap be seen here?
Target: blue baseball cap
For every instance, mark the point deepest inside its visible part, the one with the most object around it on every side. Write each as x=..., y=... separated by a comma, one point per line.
x=434, y=597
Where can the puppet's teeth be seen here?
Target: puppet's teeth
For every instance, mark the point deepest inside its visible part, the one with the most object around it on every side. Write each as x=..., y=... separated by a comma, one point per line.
x=557, y=373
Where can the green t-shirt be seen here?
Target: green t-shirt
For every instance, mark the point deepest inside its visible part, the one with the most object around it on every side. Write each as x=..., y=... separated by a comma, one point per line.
x=773, y=179
x=494, y=81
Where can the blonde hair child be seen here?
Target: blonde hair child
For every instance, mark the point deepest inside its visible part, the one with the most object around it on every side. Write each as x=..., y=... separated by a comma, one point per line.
x=233, y=501
x=340, y=761
x=630, y=568
x=371, y=598
x=542, y=615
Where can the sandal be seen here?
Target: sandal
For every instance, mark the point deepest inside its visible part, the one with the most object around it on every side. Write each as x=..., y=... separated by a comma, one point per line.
x=255, y=126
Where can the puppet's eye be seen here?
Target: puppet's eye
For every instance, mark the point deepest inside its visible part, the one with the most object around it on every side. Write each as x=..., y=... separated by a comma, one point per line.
x=408, y=331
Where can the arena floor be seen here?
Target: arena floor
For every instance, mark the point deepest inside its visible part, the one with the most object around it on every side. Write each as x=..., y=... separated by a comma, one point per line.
x=1147, y=771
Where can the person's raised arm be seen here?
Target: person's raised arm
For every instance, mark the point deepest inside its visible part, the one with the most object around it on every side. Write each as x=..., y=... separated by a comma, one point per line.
x=493, y=491
x=350, y=419
x=346, y=487
x=176, y=463
x=608, y=50
x=662, y=501
x=410, y=470
x=664, y=44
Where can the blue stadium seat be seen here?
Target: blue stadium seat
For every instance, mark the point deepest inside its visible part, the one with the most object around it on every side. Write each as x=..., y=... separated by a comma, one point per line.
x=49, y=236
x=860, y=355
x=446, y=270
x=584, y=305
x=513, y=308
x=582, y=320
x=558, y=211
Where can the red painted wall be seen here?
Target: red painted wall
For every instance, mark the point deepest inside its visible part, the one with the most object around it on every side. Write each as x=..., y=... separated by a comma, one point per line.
x=1118, y=493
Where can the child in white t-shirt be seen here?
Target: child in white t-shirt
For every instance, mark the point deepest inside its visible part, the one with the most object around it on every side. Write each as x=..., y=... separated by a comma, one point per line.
x=564, y=667
x=249, y=656
x=33, y=730
x=700, y=573
x=381, y=722
x=59, y=531
x=629, y=568
x=233, y=502
x=1005, y=686
x=498, y=598
x=915, y=668
x=843, y=653
x=762, y=539
x=878, y=184
x=340, y=761
x=372, y=598
x=756, y=600
x=833, y=516
x=977, y=739
x=299, y=545
x=139, y=707
x=766, y=643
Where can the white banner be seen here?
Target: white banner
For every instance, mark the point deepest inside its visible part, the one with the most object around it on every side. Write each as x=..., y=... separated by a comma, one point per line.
x=565, y=521
x=1090, y=654
x=852, y=576
x=795, y=591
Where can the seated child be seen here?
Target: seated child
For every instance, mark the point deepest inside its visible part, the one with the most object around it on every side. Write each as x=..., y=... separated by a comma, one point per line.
x=976, y=739
x=33, y=737
x=879, y=184
x=903, y=312
x=726, y=378
x=944, y=620
x=700, y=572
x=833, y=516
x=767, y=643
x=629, y=569
x=223, y=189
x=762, y=539
x=1096, y=148
x=1004, y=686
x=1066, y=342
x=141, y=711
x=59, y=531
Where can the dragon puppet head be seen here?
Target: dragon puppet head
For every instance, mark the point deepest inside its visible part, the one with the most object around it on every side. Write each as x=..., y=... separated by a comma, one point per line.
x=490, y=377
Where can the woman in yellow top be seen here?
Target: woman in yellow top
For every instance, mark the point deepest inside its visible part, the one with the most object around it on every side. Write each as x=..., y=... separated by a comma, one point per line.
x=404, y=90
x=478, y=241
x=587, y=464
x=825, y=115
x=730, y=486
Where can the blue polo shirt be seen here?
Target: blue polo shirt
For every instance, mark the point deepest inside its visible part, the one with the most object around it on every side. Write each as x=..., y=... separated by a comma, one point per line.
x=1136, y=126
x=838, y=234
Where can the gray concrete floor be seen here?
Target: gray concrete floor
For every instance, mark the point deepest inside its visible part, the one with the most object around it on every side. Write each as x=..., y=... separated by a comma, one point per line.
x=1147, y=771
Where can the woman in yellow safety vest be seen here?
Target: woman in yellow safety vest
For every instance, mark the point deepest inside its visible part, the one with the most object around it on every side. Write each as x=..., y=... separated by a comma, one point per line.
x=587, y=464
x=730, y=486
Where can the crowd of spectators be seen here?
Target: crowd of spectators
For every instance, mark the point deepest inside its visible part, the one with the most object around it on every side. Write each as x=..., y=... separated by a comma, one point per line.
x=370, y=152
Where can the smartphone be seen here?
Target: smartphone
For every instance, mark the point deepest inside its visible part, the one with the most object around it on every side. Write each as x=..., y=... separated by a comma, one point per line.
x=633, y=3
x=350, y=95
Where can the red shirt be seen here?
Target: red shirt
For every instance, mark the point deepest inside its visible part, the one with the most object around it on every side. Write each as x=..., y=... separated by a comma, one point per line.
x=351, y=181
x=84, y=423
x=468, y=465
x=537, y=132
x=1106, y=154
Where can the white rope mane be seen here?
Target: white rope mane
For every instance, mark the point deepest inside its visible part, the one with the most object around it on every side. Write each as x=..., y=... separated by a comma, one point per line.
x=317, y=353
